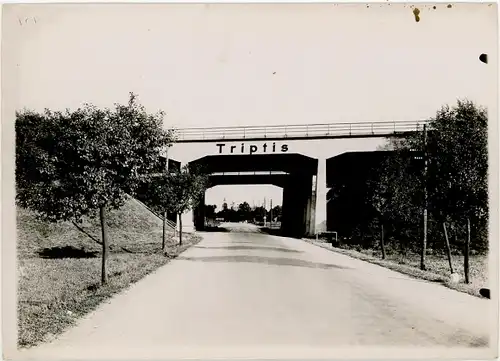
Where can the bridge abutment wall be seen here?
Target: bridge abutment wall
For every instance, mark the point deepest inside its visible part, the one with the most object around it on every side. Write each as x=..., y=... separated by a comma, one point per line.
x=296, y=205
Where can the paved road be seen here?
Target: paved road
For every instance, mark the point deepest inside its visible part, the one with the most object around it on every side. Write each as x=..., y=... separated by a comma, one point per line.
x=243, y=288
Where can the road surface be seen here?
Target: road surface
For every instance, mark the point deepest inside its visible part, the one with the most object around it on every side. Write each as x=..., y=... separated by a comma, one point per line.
x=242, y=289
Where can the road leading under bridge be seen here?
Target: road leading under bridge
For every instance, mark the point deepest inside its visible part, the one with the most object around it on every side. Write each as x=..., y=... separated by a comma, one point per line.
x=243, y=288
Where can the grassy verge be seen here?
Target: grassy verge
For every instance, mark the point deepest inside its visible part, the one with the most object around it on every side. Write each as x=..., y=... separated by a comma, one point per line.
x=438, y=269
x=59, y=266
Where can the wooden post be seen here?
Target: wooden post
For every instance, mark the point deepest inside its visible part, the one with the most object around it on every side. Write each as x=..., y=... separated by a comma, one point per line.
x=466, y=252
x=382, y=245
x=424, y=239
x=180, y=229
x=104, y=230
x=164, y=238
x=448, y=250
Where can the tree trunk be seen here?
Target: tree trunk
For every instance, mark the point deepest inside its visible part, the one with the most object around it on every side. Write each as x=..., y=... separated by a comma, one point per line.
x=382, y=245
x=104, y=229
x=466, y=252
x=448, y=250
x=164, y=237
x=180, y=229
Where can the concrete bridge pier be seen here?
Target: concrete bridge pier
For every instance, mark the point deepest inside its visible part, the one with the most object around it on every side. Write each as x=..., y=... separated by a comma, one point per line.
x=311, y=208
x=318, y=215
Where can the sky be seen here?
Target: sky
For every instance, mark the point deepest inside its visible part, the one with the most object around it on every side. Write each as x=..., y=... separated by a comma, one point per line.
x=222, y=65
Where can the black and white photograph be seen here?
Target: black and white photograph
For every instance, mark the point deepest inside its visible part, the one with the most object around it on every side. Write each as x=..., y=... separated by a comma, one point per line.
x=236, y=180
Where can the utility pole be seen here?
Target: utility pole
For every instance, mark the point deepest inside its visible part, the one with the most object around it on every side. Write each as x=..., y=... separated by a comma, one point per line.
x=424, y=241
x=265, y=211
x=271, y=215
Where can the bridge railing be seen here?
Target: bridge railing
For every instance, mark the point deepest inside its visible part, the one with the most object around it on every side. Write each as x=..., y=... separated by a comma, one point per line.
x=273, y=172
x=310, y=131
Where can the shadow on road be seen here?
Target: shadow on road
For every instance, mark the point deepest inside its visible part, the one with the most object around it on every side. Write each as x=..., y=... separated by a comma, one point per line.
x=291, y=262
x=241, y=248
x=214, y=229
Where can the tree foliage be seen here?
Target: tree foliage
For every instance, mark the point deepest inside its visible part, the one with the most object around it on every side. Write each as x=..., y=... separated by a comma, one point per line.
x=244, y=212
x=456, y=183
x=178, y=191
x=69, y=164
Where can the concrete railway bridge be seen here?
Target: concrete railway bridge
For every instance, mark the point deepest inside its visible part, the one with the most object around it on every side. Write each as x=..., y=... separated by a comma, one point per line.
x=303, y=160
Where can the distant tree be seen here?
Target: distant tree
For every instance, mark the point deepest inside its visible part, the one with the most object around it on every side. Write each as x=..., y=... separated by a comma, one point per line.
x=259, y=213
x=179, y=191
x=79, y=163
x=244, y=211
x=226, y=213
x=277, y=211
x=210, y=210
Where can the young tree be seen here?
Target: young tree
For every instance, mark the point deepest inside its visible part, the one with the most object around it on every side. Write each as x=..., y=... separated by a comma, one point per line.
x=456, y=178
x=79, y=163
x=178, y=191
x=397, y=193
x=460, y=171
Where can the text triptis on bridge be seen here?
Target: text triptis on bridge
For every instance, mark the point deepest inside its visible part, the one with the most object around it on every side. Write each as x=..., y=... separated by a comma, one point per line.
x=252, y=148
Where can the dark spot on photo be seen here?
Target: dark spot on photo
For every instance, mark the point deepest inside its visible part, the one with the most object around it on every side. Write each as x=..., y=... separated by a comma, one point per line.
x=416, y=12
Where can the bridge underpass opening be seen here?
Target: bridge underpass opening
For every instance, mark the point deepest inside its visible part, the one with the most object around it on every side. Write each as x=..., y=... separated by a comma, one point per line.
x=294, y=173
x=257, y=197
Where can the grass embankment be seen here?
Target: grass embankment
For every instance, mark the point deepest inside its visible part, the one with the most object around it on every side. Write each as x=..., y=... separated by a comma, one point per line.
x=59, y=266
x=437, y=266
